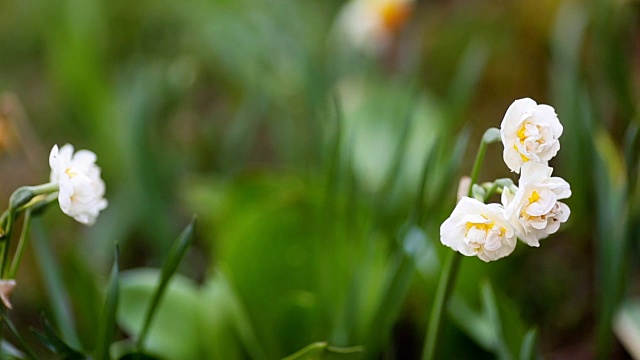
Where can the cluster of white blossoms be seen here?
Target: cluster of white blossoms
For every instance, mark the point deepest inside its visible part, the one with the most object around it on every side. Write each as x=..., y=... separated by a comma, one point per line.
x=532, y=210
x=81, y=189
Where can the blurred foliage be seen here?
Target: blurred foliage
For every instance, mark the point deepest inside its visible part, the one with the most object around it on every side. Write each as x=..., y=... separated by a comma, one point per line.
x=320, y=174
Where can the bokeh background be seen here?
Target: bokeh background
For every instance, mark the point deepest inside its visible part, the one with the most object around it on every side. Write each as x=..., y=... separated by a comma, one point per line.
x=320, y=169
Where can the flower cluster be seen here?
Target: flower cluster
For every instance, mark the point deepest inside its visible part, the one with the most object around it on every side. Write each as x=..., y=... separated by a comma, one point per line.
x=81, y=189
x=530, y=211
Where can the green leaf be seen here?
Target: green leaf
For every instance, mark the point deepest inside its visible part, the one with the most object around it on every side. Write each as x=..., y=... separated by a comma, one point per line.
x=108, y=322
x=138, y=356
x=175, y=334
x=52, y=341
x=14, y=331
x=322, y=350
x=10, y=352
x=529, y=348
x=53, y=283
x=497, y=327
x=170, y=266
x=491, y=308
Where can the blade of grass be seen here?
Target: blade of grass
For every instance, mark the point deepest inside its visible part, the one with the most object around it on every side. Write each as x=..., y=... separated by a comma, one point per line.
x=16, y=334
x=53, y=342
x=53, y=283
x=169, y=268
x=108, y=322
x=529, y=348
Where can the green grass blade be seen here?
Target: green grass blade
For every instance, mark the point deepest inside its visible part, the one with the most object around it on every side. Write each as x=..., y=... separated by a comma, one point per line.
x=53, y=283
x=108, y=321
x=322, y=350
x=52, y=341
x=17, y=335
x=529, y=347
x=169, y=268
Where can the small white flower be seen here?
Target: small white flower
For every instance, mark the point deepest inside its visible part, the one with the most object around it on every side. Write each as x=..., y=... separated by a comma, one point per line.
x=529, y=132
x=370, y=24
x=477, y=229
x=81, y=193
x=534, y=209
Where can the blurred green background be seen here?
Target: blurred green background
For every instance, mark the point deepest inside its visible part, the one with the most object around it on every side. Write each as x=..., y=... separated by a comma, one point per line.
x=320, y=172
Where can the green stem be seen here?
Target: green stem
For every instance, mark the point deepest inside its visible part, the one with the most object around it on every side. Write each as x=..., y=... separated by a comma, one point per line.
x=21, y=245
x=450, y=268
x=5, y=242
x=445, y=286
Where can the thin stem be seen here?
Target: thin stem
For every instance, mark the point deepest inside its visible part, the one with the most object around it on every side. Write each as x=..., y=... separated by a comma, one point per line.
x=445, y=286
x=475, y=171
x=5, y=242
x=24, y=236
x=45, y=188
x=450, y=268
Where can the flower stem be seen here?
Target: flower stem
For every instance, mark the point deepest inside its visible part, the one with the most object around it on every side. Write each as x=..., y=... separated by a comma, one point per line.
x=445, y=286
x=451, y=265
x=21, y=245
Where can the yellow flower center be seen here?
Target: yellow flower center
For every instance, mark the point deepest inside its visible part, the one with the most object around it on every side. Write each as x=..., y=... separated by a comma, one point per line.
x=534, y=197
x=71, y=172
x=486, y=228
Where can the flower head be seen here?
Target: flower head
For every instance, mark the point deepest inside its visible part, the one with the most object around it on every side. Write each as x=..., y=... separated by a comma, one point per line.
x=371, y=24
x=534, y=209
x=529, y=133
x=477, y=229
x=81, y=193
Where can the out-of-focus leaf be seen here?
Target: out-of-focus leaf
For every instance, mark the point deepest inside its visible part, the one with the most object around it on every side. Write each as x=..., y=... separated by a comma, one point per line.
x=627, y=326
x=226, y=332
x=613, y=230
x=374, y=131
x=324, y=351
x=529, y=348
x=492, y=310
x=10, y=352
x=175, y=332
x=53, y=283
x=53, y=342
x=169, y=268
x=466, y=79
x=497, y=327
x=138, y=356
x=12, y=328
x=475, y=324
x=107, y=325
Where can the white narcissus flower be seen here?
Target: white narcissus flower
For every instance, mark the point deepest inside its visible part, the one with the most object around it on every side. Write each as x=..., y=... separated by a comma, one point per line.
x=477, y=229
x=534, y=209
x=529, y=132
x=81, y=193
x=370, y=24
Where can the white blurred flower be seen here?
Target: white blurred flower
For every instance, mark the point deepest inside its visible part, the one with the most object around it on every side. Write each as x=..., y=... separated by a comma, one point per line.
x=81, y=193
x=534, y=209
x=6, y=288
x=529, y=132
x=477, y=229
x=371, y=24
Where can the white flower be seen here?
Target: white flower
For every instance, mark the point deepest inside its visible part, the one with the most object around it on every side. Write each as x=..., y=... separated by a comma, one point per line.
x=529, y=132
x=477, y=229
x=534, y=209
x=81, y=193
x=371, y=24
